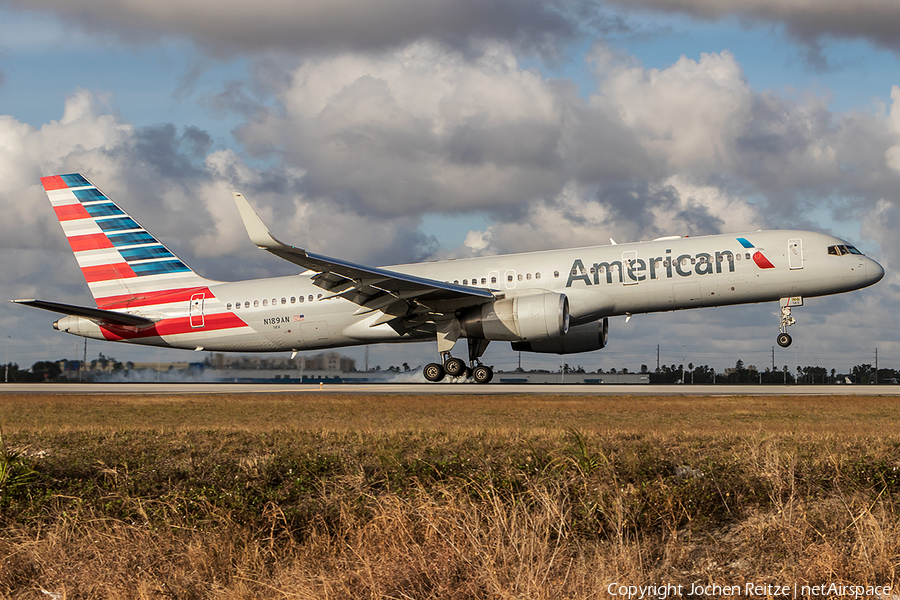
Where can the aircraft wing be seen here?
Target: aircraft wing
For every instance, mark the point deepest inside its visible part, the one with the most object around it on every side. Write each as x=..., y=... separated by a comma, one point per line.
x=94, y=314
x=395, y=294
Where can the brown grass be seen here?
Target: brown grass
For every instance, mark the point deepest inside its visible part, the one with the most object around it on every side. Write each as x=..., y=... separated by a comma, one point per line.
x=270, y=496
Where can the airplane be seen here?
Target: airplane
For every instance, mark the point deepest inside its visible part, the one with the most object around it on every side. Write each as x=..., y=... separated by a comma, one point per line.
x=555, y=301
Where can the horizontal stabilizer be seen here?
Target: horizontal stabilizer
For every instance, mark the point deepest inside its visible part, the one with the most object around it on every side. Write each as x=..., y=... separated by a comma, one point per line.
x=94, y=314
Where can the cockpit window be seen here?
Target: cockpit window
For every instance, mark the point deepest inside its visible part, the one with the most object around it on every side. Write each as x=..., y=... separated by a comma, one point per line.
x=841, y=250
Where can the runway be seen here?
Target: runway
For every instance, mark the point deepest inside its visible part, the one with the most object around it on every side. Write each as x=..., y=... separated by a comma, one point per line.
x=451, y=389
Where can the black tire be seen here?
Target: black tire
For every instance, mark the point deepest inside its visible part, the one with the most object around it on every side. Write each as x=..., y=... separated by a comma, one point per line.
x=454, y=367
x=433, y=372
x=482, y=374
x=784, y=340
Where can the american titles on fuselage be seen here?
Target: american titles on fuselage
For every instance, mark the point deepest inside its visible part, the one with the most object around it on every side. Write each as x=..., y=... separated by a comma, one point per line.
x=634, y=269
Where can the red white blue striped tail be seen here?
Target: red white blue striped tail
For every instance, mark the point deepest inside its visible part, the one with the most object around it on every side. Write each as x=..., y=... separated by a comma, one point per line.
x=123, y=264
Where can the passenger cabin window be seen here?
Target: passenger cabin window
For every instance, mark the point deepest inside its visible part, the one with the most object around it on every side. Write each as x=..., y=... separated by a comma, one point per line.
x=284, y=300
x=483, y=280
x=520, y=277
x=228, y=306
x=301, y=299
x=256, y=304
x=493, y=279
x=537, y=275
x=528, y=277
x=247, y=304
x=556, y=274
x=265, y=302
x=465, y=282
x=293, y=300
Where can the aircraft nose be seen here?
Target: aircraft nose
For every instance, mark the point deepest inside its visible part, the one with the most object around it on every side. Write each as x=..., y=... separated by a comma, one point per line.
x=874, y=272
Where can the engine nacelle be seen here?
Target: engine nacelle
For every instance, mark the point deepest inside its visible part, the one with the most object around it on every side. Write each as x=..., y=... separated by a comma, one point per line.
x=540, y=316
x=581, y=338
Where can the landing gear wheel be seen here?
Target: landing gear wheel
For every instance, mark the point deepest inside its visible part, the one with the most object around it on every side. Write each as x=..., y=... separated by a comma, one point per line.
x=454, y=367
x=482, y=374
x=784, y=340
x=433, y=372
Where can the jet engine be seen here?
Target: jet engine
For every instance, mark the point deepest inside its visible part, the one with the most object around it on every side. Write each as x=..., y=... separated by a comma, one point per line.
x=581, y=338
x=541, y=316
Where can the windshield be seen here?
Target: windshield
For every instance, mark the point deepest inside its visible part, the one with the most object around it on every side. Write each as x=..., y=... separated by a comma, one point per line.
x=841, y=249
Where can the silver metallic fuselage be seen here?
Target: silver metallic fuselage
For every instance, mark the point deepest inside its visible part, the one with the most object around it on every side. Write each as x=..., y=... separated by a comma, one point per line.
x=599, y=281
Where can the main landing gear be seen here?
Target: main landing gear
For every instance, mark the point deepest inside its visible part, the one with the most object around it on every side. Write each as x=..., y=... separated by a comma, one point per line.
x=784, y=338
x=456, y=368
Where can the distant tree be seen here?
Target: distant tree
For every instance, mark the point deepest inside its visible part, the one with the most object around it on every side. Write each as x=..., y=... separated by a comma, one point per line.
x=46, y=371
x=15, y=374
x=861, y=372
x=644, y=369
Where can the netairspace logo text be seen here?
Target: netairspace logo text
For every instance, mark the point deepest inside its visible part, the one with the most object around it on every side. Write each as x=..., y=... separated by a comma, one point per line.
x=749, y=590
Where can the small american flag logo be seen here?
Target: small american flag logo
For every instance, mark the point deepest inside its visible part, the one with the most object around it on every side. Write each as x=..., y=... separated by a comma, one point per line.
x=298, y=318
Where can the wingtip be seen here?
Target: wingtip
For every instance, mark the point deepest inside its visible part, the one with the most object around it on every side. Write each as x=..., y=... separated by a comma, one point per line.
x=256, y=229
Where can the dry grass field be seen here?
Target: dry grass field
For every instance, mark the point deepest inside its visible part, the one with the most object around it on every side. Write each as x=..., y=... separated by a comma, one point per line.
x=315, y=496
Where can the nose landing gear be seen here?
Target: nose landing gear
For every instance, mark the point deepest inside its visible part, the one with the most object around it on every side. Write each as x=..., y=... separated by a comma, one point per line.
x=784, y=338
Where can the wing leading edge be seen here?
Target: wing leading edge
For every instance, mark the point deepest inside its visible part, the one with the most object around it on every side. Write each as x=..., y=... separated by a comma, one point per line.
x=396, y=294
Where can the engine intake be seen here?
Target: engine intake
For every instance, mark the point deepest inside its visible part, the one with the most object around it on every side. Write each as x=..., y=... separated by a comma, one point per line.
x=540, y=316
x=581, y=338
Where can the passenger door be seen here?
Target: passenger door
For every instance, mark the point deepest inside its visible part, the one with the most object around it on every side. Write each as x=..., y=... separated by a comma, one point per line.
x=197, y=318
x=795, y=253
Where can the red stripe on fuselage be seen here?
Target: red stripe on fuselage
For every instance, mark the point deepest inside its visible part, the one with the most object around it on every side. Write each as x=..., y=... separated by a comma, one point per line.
x=71, y=212
x=107, y=272
x=92, y=241
x=213, y=322
x=153, y=298
x=54, y=182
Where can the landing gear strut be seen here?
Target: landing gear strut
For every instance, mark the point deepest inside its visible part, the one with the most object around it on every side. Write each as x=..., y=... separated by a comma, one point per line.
x=784, y=338
x=480, y=372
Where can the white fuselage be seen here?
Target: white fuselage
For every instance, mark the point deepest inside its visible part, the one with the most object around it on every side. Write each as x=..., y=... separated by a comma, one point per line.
x=290, y=313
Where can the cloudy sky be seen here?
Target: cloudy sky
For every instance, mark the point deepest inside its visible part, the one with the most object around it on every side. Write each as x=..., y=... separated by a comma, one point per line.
x=395, y=131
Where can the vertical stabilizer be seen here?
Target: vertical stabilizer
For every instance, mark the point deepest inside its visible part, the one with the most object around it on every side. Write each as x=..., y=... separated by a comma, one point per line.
x=120, y=260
